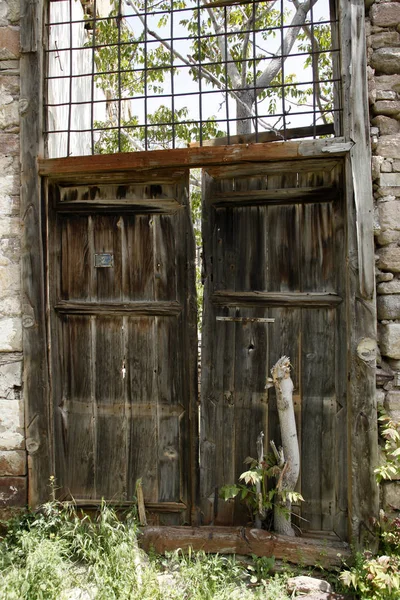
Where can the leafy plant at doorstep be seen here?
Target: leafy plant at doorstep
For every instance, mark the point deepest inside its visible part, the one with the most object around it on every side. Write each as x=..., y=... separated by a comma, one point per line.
x=258, y=502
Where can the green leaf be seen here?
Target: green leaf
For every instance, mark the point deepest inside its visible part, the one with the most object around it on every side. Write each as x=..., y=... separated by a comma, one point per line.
x=250, y=477
x=229, y=491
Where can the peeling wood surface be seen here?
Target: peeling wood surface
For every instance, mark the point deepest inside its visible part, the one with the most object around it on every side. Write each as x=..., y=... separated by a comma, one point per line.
x=107, y=167
x=283, y=262
x=240, y=540
x=361, y=419
x=124, y=347
x=35, y=377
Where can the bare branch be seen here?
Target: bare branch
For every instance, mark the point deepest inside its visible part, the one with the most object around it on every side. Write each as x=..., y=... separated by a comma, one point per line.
x=315, y=67
x=232, y=69
x=203, y=72
x=275, y=64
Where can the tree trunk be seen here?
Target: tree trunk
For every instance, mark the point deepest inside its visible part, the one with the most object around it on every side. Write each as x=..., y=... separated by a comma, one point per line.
x=244, y=105
x=290, y=470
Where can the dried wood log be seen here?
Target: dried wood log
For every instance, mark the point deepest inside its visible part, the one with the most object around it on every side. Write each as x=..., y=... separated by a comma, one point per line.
x=241, y=540
x=290, y=471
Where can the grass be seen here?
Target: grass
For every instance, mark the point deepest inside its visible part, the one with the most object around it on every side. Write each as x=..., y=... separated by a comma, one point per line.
x=61, y=554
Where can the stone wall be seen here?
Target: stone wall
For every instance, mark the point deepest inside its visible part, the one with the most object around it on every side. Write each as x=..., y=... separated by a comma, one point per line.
x=12, y=442
x=383, y=47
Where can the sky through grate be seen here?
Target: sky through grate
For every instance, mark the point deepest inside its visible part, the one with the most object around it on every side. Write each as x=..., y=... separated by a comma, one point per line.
x=150, y=74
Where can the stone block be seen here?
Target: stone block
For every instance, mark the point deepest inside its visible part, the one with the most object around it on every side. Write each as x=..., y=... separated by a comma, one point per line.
x=385, y=15
x=304, y=584
x=9, y=144
x=10, y=250
x=9, y=67
x=10, y=186
x=377, y=162
x=386, y=60
x=386, y=125
x=13, y=11
x=10, y=281
x=396, y=166
x=9, y=205
x=10, y=375
x=385, y=39
x=10, y=226
x=388, y=307
x=392, y=402
x=389, y=108
x=12, y=462
x=389, y=180
x=387, y=82
x=388, y=237
x=9, y=85
x=384, y=277
x=391, y=495
x=9, y=43
x=387, y=166
x=10, y=334
x=388, y=146
x=386, y=95
x=9, y=116
x=11, y=306
x=389, y=214
x=13, y=491
x=11, y=425
x=389, y=259
x=389, y=339
x=389, y=287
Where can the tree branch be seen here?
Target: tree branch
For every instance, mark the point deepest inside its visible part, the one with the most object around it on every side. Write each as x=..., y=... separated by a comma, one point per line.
x=226, y=56
x=275, y=64
x=315, y=67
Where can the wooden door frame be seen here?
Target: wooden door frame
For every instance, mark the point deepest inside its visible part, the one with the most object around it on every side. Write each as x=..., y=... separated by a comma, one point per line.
x=362, y=424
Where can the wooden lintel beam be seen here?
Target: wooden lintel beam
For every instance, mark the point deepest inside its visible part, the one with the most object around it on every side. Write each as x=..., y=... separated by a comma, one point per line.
x=241, y=540
x=74, y=167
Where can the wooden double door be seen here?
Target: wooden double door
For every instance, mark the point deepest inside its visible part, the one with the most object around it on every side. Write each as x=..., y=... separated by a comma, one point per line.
x=124, y=343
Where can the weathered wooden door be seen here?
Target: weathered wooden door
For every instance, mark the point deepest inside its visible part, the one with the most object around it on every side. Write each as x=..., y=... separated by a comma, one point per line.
x=274, y=245
x=123, y=341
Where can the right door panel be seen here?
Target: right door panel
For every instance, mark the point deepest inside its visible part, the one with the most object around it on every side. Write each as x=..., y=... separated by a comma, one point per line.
x=274, y=265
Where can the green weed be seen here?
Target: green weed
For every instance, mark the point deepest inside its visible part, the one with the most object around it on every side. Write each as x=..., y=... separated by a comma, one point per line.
x=60, y=553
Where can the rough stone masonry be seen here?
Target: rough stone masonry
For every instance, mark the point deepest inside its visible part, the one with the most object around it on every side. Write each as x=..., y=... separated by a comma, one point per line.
x=12, y=440
x=383, y=49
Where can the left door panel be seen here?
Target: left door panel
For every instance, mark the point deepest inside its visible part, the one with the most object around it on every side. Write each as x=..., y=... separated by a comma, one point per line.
x=123, y=342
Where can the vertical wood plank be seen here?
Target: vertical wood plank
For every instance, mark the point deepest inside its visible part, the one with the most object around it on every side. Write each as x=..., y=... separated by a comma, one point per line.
x=139, y=265
x=34, y=343
x=164, y=258
x=108, y=239
x=74, y=412
x=318, y=418
x=142, y=381
x=362, y=422
x=169, y=396
x=76, y=258
x=111, y=459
